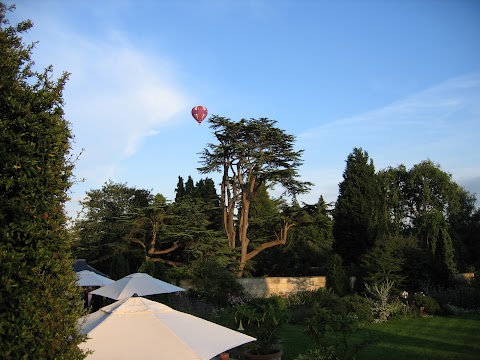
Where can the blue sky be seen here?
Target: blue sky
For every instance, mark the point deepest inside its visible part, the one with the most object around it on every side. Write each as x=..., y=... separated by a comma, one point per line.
x=400, y=79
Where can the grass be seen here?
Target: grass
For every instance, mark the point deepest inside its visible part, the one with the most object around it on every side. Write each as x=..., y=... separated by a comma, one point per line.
x=421, y=338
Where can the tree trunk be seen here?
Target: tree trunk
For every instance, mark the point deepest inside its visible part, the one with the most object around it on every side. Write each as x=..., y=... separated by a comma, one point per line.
x=228, y=196
x=243, y=233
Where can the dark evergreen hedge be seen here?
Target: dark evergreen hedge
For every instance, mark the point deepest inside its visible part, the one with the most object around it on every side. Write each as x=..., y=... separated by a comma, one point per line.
x=39, y=301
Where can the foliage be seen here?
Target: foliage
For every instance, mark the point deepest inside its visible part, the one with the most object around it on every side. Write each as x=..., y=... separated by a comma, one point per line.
x=262, y=319
x=214, y=283
x=308, y=247
x=249, y=154
x=462, y=294
x=190, y=228
x=106, y=225
x=421, y=267
x=154, y=269
x=39, y=300
x=301, y=304
x=385, y=260
x=119, y=267
x=361, y=307
x=265, y=215
x=331, y=320
x=356, y=210
x=426, y=304
x=448, y=309
x=337, y=278
x=465, y=229
x=408, y=225
x=430, y=207
x=324, y=326
x=120, y=220
x=383, y=306
x=326, y=298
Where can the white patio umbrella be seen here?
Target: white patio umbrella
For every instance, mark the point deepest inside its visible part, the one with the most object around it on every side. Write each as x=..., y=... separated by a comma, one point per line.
x=138, y=283
x=89, y=278
x=138, y=328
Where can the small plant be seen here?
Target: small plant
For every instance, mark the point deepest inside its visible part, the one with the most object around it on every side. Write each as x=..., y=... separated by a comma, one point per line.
x=333, y=333
x=262, y=319
x=426, y=304
x=382, y=305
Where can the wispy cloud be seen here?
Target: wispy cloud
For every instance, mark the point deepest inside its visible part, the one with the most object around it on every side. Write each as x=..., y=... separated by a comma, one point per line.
x=117, y=95
x=441, y=123
x=120, y=96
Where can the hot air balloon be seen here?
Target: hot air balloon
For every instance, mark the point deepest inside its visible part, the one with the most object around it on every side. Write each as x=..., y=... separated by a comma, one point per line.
x=199, y=113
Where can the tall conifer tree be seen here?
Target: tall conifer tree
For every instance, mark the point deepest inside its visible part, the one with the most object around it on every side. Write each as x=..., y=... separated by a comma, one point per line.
x=355, y=214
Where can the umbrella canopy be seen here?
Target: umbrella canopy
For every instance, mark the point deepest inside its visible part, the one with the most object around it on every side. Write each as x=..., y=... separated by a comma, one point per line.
x=138, y=283
x=138, y=328
x=89, y=278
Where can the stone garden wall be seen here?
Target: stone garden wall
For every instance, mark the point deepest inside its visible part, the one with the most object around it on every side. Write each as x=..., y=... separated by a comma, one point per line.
x=268, y=286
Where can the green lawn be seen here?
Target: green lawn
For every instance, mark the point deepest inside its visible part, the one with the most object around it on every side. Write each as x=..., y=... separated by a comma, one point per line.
x=422, y=338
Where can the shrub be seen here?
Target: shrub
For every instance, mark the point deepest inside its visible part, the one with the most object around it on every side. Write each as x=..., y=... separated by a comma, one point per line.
x=262, y=319
x=426, y=303
x=299, y=306
x=382, y=305
x=326, y=298
x=300, y=298
x=462, y=294
x=361, y=307
x=333, y=333
x=300, y=313
x=454, y=310
x=337, y=278
x=214, y=283
x=40, y=302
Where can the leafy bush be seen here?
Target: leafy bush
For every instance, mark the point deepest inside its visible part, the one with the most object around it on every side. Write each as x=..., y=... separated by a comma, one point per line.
x=300, y=306
x=462, y=295
x=333, y=333
x=40, y=302
x=214, y=283
x=383, y=305
x=426, y=303
x=337, y=278
x=326, y=298
x=299, y=313
x=454, y=310
x=262, y=319
x=300, y=298
x=361, y=307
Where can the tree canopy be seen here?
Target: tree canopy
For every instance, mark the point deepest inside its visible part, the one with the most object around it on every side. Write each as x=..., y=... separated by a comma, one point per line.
x=251, y=153
x=404, y=225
